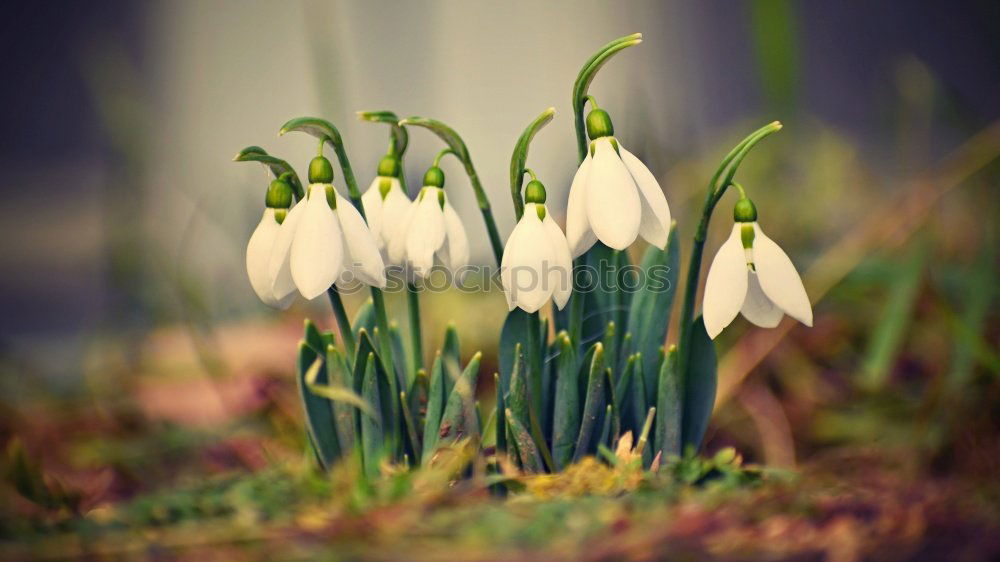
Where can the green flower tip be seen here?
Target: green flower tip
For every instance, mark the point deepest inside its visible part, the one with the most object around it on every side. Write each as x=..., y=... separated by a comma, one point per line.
x=279, y=194
x=320, y=170
x=434, y=177
x=599, y=124
x=389, y=166
x=745, y=211
x=534, y=192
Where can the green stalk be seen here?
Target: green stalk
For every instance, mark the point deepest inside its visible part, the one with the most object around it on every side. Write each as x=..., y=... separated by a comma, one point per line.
x=455, y=142
x=416, y=341
x=343, y=324
x=728, y=166
x=580, y=88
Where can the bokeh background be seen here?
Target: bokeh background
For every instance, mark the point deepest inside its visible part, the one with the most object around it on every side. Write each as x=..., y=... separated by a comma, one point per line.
x=133, y=352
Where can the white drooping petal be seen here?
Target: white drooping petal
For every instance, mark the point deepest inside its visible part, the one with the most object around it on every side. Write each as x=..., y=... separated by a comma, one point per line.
x=362, y=255
x=457, y=242
x=778, y=278
x=317, y=253
x=579, y=236
x=397, y=240
x=372, y=202
x=613, y=207
x=279, y=267
x=524, y=258
x=426, y=233
x=757, y=308
x=560, y=275
x=726, y=285
x=654, y=226
x=394, y=210
x=259, y=255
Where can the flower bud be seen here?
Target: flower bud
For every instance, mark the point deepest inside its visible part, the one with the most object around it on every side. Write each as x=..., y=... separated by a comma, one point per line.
x=534, y=192
x=389, y=166
x=279, y=195
x=320, y=170
x=599, y=124
x=434, y=177
x=745, y=211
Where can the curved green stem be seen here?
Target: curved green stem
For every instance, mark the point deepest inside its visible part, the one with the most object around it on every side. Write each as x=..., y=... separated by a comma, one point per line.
x=416, y=339
x=580, y=97
x=326, y=132
x=520, y=157
x=277, y=167
x=586, y=76
x=728, y=166
x=343, y=324
x=455, y=142
x=444, y=152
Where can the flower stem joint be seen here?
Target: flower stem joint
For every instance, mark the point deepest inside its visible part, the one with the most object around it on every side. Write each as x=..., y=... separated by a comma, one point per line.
x=389, y=167
x=599, y=124
x=745, y=211
x=434, y=177
x=534, y=192
x=279, y=197
x=320, y=170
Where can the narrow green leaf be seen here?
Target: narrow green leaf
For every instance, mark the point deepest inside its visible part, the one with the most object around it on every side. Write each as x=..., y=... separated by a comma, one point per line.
x=600, y=297
x=566, y=415
x=605, y=437
x=501, y=445
x=436, y=399
x=318, y=410
x=890, y=333
x=519, y=401
x=593, y=405
x=451, y=359
x=404, y=369
x=700, y=383
x=459, y=418
x=364, y=318
x=413, y=438
x=372, y=436
x=667, y=438
x=313, y=338
x=623, y=396
x=514, y=331
x=649, y=314
x=339, y=374
x=610, y=342
x=531, y=461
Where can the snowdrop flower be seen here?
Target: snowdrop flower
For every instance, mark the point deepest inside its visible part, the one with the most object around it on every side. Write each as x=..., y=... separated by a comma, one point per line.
x=536, y=262
x=277, y=201
x=385, y=202
x=614, y=197
x=430, y=228
x=322, y=237
x=753, y=276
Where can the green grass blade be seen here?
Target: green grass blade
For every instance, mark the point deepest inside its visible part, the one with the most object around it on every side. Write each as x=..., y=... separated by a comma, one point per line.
x=566, y=409
x=319, y=418
x=459, y=418
x=372, y=436
x=593, y=404
x=667, y=437
x=649, y=314
x=700, y=383
x=435, y=408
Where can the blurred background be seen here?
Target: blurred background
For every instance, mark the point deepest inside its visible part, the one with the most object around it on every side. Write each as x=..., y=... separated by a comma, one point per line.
x=133, y=352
